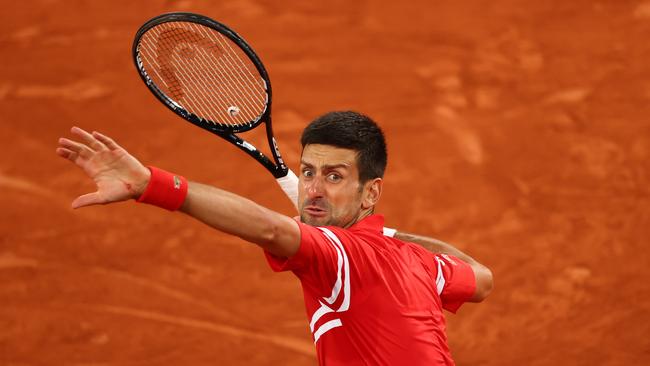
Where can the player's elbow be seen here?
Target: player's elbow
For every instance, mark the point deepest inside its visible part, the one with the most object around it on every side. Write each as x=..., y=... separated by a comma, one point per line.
x=280, y=237
x=484, y=283
x=269, y=234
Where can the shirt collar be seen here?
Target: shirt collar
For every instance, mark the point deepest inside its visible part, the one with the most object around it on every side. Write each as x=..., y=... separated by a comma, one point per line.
x=371, y=223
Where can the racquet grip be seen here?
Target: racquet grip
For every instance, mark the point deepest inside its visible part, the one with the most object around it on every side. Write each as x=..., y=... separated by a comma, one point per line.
x=289, y=185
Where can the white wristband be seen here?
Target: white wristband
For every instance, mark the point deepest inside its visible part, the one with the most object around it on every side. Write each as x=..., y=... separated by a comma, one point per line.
x=289, y=185
x=389, y=232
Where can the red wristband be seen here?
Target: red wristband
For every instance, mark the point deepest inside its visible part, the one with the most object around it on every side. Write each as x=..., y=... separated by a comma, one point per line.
x=164, y=190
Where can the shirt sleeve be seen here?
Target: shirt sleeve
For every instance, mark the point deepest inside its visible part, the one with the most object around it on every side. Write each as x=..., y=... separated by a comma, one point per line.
x=455, y=281
x=315, y=252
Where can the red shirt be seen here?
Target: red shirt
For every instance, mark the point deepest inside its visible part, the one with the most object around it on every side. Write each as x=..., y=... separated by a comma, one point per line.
x=375, y=300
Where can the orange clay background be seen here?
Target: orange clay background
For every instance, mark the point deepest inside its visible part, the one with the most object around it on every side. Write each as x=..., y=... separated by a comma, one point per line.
x=518, y=130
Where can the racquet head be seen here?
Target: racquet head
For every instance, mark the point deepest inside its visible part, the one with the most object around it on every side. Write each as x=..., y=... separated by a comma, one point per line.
x=203, y=71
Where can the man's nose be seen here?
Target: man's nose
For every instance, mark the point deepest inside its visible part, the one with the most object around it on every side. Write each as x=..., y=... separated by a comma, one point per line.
x=315, y=188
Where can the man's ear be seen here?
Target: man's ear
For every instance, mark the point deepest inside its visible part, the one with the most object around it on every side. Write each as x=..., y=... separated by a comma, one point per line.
x=371, y=193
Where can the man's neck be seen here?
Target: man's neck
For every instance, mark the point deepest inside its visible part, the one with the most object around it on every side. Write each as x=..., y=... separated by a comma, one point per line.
x=362, y=215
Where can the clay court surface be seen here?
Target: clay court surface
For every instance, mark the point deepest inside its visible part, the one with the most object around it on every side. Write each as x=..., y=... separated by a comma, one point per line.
x=518, y=130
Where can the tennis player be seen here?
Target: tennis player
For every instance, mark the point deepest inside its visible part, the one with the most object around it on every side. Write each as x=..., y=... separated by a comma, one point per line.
x=371, y=299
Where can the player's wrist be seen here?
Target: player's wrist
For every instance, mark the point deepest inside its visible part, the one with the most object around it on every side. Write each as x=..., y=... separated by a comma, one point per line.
x=390, y=232
x=164, y=189
x=141, y=182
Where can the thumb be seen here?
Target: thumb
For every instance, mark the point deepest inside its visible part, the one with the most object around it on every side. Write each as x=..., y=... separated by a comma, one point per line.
x=87, y=200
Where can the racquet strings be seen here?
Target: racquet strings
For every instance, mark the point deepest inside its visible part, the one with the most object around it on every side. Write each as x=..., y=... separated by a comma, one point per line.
x=203, y=72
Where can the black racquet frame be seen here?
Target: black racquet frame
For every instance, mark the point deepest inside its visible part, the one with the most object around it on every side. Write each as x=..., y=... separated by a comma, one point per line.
x=278, y=169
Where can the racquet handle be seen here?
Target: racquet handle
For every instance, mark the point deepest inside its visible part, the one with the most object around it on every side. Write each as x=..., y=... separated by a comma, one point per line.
x=289, y=185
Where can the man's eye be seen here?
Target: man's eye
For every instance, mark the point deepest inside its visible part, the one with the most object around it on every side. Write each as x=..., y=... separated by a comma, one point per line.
x=334, y=178
x=307, y=173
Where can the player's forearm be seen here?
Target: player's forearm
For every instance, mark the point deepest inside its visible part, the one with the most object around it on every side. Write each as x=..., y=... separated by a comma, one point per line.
x=239, y=216
x=482, y=274
x=434, y=245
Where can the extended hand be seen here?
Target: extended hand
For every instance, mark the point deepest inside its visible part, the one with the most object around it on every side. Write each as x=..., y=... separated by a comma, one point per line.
x=118, y=175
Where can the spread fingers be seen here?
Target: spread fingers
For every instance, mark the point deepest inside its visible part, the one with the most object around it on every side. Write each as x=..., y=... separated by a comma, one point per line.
x=107, y=141
x=88, y=139
x=76, y=147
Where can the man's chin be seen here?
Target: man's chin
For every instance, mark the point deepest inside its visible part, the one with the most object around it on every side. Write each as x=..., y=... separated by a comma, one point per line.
x=315, y=221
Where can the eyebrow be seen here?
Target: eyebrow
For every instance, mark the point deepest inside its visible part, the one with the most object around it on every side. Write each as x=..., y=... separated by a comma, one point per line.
x=327, y=166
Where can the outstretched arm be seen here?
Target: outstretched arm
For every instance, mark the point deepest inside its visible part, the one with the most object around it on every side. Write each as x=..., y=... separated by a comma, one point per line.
x=482, y=274
x=244, y=218
x=119, y=177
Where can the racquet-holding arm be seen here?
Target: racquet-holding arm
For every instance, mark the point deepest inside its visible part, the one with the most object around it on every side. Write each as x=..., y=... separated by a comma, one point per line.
x=482, y=274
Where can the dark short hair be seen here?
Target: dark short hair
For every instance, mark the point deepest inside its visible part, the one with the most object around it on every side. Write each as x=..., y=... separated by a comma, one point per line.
x=355, y=131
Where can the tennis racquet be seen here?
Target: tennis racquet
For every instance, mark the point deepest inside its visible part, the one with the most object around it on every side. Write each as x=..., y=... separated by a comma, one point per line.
x=207, y=74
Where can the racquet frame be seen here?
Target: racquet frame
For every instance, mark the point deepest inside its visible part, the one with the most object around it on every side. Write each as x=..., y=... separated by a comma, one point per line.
x=277, y=167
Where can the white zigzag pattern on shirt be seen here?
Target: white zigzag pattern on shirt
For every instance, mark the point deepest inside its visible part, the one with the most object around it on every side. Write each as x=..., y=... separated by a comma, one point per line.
x=342, y=281
x=440, y=279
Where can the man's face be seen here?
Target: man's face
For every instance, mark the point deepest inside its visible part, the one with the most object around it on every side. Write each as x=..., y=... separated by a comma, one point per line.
x=329, y=191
